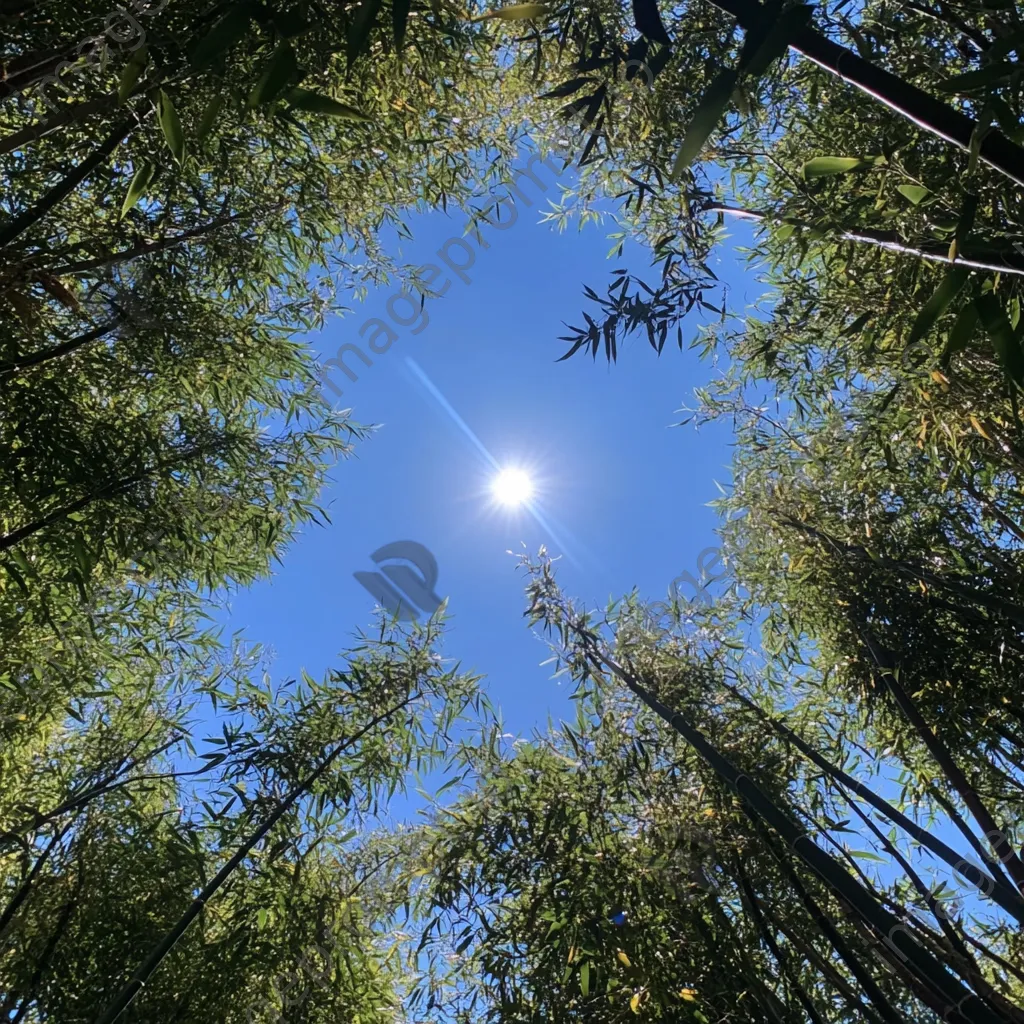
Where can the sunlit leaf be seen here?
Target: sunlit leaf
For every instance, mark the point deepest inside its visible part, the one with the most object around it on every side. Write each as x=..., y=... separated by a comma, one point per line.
x=517, y=12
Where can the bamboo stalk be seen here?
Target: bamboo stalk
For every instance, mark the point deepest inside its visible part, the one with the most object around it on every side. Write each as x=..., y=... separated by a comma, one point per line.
x=993, y=889
x=773, y=946
x=995, y=263
x=944, y=758
x=39, y=130
x=959, y=1000
x=899, y=96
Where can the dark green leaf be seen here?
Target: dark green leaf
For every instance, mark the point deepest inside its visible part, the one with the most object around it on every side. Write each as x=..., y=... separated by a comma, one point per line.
x=858, y=325
x=647, y=19
x=136, y=188
x=710, y=111
x=279, y=73
x=224, y=34
x=359, y=30
x=566, y=88
x=962, y=333
x=314, y=103
x=1004, y=341
x=290, y=24
x=980, y=79
x=132, y=73
x=769, y=42
x=399, y=20
x=936, y=305
x=171, y=126
x=206, y=122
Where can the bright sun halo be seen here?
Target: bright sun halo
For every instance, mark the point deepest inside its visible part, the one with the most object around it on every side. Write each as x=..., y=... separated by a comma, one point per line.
x=512, y=487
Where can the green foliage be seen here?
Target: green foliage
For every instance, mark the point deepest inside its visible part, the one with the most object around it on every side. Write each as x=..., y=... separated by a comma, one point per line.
x=627, y=871
x=137, y=818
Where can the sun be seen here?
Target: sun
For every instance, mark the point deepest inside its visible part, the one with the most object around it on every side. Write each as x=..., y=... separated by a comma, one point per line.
x=512, y=487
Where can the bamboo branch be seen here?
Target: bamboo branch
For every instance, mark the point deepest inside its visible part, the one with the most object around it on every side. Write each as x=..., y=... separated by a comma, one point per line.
x=39, y=130
x=996, y=263
x=59, y=350
x=125, y=997
x=884, y=662
x=147, y=248
x=20, y=224
x=108, y=490
x=26, y=886
x=773, y=947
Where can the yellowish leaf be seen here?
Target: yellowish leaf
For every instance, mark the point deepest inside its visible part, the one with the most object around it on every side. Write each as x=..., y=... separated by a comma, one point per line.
x=634, y=1002
x=689, y=994
x=979, y=428
x=517, y=12
x=624, y=959
x=55, y=287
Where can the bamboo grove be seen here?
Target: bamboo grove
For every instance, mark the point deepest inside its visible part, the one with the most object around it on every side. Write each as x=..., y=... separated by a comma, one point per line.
x=801, y=804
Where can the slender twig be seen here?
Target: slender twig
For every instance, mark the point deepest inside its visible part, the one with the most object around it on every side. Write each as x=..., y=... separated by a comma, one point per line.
x=127, y=994
x=20, y=224
x=36, y=358
x=996, y=263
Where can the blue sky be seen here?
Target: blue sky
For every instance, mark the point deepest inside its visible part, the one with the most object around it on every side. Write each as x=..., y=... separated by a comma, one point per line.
x=624, y=492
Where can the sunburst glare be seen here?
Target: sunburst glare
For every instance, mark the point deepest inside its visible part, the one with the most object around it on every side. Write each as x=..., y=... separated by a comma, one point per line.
x=512, y=487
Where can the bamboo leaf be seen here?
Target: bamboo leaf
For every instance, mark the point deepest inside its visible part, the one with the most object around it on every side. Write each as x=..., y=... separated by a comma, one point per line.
x=585, y=979
x=132, y=73
x=937, y=304
x=281, y=69
x=290, y=24
x=314, y=103
x=137, y=186
x=171, y=126
x=399, y=20
x=980, y=79
x=858, y=325
x=915, y=193
x=566, y=88
x=359, y=30
x=710, y=111
x=647, y=19
x=822, y=166
x=763, y=47
x=517, y=12
x=210, y=113
x=962, y=333
x=1004, y=341
x=224, y=34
